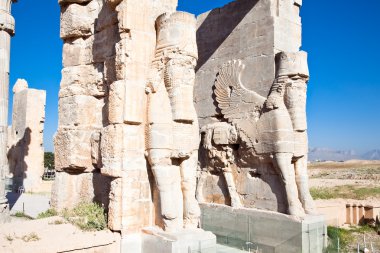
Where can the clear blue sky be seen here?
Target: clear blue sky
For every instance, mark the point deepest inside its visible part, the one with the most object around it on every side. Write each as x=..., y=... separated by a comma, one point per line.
x=341, y=36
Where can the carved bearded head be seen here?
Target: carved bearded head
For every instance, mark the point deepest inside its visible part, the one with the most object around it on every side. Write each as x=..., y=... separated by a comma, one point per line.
x=294, y=67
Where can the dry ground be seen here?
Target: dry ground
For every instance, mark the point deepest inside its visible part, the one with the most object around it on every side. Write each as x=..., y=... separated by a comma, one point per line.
x=351, y=180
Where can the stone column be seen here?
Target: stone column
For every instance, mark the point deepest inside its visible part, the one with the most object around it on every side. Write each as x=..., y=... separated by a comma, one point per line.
x=6, y=31
x=25, y=138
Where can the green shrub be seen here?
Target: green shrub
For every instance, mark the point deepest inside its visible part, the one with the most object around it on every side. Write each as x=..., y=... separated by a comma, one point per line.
x=22, y=215
x=87, y=216
x=48, y=213
x=49, y=160
x=345, y=192
x=345, y=237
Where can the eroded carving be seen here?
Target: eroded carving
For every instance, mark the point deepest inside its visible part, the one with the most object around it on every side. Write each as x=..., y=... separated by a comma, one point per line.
x=218, y=140
x=172, y=121
x=272, y=128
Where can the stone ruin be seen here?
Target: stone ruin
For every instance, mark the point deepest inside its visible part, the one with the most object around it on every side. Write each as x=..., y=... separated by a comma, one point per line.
x=21, y=145
x=7, y=30
x=26, y=138
x=250, y=95
x=128, y=131
x=157, y=108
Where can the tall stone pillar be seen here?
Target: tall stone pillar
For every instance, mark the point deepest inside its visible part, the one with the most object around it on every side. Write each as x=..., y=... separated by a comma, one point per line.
x=7, y=24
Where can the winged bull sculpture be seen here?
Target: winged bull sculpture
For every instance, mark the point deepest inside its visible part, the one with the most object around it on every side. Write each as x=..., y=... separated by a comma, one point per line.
x=273, y=127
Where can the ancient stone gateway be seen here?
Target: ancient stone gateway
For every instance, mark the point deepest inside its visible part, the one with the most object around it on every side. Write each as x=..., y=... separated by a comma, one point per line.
x=250, y=97
x=128, y=133
x=149, y=96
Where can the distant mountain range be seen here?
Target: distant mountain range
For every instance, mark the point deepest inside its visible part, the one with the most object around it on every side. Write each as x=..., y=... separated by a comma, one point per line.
x=326, y=154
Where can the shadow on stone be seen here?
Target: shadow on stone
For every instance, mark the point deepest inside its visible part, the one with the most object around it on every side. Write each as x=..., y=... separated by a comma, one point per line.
x=211, y=25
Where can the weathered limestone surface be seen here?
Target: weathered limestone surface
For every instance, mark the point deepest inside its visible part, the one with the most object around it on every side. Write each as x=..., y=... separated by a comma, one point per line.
x=71, y=189
x=250, y=96
x=26, y=137
x=85, y=28
x=126, y=114
x=172, y=121
x=7, y=29
x=221, y=37
x=123, y=140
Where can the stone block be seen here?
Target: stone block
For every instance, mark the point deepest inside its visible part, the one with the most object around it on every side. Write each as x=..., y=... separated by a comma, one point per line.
x=290, y=10
x=131, y=16
x=107, y=17
x=287, y=35
x=94, y=49
x=115, y=213
x=71, y=189
x=78, y=20
x=127, y=102
x=95, y=150
x=81, y=111
x=135, y=109
x=122, y=149
x=131, y=243
x=132, y=55
x=130, y=202
x=78, y=51
x=104, y=43
x=110, y=70
x=83, y=80
x=73, y=150
x=116, y=100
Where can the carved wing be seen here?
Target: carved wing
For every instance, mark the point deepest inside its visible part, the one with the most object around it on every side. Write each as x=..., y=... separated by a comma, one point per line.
x=235, y=101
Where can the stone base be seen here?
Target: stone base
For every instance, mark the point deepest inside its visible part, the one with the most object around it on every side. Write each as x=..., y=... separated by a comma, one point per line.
x=155, y=240
x=269, y=231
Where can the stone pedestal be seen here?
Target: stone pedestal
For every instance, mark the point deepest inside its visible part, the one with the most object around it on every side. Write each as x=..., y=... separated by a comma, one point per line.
x=269, y=231
x=155, y=240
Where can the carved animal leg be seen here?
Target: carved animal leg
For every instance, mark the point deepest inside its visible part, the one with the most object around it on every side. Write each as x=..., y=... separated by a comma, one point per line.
x=302, y=180
x=201, y=181
x=189, y=178
x=235, y=198
x=283, y=163
x=165, y=179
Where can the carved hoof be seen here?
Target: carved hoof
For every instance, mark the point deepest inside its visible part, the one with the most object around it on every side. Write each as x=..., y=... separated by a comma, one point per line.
x=310, y=207
x=236, y=203
x=296, y=210
x=192, y=210
x=191, y=223
x=171, y=225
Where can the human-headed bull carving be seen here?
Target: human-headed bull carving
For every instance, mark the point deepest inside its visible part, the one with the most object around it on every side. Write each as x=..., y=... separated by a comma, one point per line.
x=273, y=127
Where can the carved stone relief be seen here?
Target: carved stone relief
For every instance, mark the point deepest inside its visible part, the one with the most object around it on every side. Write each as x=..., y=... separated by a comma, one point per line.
x=271, y=129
